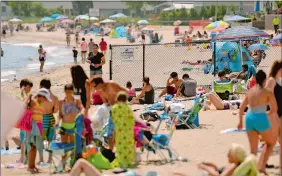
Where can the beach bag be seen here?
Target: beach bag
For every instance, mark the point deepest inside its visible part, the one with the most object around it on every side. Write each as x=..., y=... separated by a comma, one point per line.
x=99, y=161
x=25, y=122
x=150, y=116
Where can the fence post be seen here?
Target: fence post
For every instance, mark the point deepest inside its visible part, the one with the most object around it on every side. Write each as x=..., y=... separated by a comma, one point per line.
x=143, y=60
x=111, y=63
x=214, y=60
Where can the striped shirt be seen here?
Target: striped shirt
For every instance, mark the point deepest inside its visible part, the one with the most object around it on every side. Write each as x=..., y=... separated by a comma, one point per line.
x=37, y=113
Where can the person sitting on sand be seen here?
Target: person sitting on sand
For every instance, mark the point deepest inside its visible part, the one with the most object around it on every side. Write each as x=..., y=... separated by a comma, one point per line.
x=243, y=75
x=187, y=88
x=131, y=91
x=147, y=92
x=172, y=80
x=222, y=76
x=236, y=156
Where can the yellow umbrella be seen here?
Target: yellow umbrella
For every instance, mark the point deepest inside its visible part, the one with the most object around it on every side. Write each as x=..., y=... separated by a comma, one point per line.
x=217, y=24
x=177, y=23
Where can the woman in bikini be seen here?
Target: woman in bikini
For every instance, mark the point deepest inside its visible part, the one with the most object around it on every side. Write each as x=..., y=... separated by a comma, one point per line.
x=69, y=111
x=257, y=118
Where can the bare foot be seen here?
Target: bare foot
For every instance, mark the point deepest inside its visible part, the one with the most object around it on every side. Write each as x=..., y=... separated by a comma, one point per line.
x=33, y=170
x=263, y=171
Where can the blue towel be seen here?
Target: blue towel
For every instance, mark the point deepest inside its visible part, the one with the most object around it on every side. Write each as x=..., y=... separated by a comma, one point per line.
x=10, y=151
x=168, y=97
x=156, y=106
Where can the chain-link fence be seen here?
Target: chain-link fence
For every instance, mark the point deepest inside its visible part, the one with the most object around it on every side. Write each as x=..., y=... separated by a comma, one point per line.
x=157, y=61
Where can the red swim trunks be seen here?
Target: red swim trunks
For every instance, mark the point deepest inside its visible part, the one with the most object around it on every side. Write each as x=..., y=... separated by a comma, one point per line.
x=171, y=90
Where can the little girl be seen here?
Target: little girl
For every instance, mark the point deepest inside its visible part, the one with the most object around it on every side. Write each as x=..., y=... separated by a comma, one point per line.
x=131, y=91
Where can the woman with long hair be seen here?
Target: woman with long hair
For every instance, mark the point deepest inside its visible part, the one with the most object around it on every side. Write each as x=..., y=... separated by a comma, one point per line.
x=147, y=95
x=256, y=120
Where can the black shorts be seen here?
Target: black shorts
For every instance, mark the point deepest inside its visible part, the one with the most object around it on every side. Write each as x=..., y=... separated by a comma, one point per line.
x=41, y=59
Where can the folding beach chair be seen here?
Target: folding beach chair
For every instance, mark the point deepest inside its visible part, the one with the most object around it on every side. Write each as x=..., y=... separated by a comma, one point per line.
x=186, y=119
x=247, y=168
x=161, y=142
x=223, y=89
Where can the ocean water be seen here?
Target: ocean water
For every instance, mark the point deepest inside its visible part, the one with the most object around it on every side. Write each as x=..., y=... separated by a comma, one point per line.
x=22, y=58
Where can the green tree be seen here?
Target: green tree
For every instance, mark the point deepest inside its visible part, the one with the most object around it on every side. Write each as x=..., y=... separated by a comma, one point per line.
x=221, y=12
x=164, y=16
x=278, y=4
x=212, y=10
x=232, y=8
x=21, y=8
x=193, y=13
x=208, y=12
x=203, y=12
x=38, y=9
x=183, y=14
x=135, y=6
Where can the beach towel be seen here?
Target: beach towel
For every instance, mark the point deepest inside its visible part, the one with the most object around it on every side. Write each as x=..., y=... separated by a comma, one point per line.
x=156, y=106
x=11, y=151
x=231, y=130
x=25, y=122
x=99, y=161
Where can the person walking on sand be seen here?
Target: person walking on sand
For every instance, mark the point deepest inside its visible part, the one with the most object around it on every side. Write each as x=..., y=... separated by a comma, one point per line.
x=96, y=61
x=75, y=52
x=257, y=118
x=42, y=57
x=83, y=47
x=103, y=46
x=68, y=39
x=91, y=46
x=76, y=39
x=276, y=22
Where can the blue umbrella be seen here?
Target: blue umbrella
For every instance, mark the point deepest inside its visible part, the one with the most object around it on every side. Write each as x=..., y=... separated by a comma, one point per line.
x=258, y=46
x=46, y=19
x=276, y=39
x=55, y=15
x=257, y=7
x=241, y=33
x=235, y=18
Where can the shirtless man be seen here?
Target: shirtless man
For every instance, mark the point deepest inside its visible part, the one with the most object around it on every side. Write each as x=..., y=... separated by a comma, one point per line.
x=48, y=118
x=172, y=80
x=108, y=92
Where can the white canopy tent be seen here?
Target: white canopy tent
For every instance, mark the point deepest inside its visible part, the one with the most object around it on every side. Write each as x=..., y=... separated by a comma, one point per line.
x=179, y=6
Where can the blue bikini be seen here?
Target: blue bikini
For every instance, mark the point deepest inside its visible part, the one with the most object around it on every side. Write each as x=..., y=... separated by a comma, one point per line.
x=256, y=119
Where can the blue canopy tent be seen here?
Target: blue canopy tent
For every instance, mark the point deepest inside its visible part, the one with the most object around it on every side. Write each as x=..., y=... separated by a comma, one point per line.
x=121, y=31
x=257, y=8
x=55, y=15
x=235, y=18
x=46, y=19
x=118, y=15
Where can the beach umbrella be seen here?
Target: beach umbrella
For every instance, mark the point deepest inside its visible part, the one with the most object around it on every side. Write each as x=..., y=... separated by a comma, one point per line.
x=216, y=24
x=15, y=20
x=241, y=33
x=55, y=15
x=258, y=46
x=177, y=23
x=108, y=21
x=94, y=19
x=61, y=17
x=66, y=21
x=82, y=17
x=118, y=15
x=219, y=29
x=235, y=18
x=46, y=19
x=143, y=22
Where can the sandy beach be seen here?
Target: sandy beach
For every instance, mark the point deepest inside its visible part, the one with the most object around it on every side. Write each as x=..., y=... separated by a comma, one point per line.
x=197, y=145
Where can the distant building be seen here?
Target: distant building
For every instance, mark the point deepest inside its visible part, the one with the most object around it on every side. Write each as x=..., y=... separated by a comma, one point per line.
x=108, y=8
x=5, y=11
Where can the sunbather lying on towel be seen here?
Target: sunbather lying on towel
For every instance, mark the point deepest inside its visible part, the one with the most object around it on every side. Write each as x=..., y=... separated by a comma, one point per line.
x=213, y=99
x=240, y=164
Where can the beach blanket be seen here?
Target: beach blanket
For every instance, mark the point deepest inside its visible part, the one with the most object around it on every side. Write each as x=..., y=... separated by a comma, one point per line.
x=231, y=130
x=11, y=151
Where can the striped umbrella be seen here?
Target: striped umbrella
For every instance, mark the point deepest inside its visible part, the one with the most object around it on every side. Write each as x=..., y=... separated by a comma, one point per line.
x=241, y=33
x=216, y=24
x=219, y=29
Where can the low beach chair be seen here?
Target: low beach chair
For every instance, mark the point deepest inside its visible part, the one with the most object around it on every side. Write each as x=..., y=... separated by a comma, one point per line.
x=162, y=142
x=223, y=89
x=247, y=168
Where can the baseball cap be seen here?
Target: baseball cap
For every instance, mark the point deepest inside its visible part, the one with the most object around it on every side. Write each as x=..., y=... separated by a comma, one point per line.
x=45, y=93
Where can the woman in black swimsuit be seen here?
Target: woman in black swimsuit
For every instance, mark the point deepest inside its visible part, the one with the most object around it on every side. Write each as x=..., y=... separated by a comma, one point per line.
x=147, y=93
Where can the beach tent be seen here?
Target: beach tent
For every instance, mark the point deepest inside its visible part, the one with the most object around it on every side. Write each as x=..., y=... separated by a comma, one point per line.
x=228, y=56
x=46, y=19
x=121, y=31
x=114, y=34
x=86, y=17
x=15, y=20
x=118, y=15
x=55, y=15
x=143, y=22
x=108, y=21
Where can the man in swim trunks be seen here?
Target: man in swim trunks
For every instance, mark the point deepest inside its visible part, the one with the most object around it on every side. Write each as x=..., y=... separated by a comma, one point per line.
x=172, y=80
x=108, y=92
x=48, y=118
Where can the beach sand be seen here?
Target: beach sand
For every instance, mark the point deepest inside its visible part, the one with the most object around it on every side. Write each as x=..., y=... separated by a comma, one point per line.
x=203, y=144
